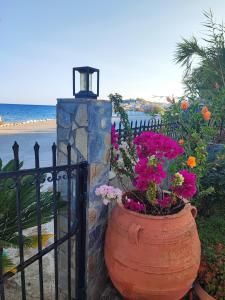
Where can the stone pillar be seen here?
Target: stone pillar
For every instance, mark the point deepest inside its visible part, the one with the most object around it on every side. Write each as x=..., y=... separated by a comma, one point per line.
x=86, y=125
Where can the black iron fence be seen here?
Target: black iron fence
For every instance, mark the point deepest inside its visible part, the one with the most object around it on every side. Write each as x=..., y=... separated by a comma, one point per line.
x=148, y=125
x=30, y=198
x=169, y=129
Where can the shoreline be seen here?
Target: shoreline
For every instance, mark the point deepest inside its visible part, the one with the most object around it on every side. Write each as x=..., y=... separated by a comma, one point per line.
x=31, y=126
x=6, y=124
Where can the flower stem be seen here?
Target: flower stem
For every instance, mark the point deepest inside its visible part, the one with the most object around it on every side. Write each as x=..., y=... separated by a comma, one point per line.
x=151, y=193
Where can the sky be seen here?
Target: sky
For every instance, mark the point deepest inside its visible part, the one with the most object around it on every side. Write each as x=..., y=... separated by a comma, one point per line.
x=132, y=42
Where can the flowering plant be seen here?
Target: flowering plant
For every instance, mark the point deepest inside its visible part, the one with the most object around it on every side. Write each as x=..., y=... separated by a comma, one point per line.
x=143, y=158
x=152, y=151
x=195, y=130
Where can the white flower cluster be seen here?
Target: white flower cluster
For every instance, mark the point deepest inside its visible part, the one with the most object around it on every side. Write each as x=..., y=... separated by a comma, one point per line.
x=109, y=194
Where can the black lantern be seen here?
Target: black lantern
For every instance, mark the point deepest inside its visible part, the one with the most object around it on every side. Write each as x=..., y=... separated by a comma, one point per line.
x=86, y=85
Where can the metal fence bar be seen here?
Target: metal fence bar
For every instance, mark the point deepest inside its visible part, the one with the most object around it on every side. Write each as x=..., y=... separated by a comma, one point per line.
x=55, y=205
x=144, y=125
x=78, y=292
x=38, y=212
x=43, y=170
x=222, y=127
x=2, y=292
x=19, y=218
x=81, y=198
x=135, y=129
x=69, y=218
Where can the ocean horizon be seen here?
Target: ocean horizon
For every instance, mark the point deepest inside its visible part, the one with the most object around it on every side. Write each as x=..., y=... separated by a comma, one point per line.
x=14, y=113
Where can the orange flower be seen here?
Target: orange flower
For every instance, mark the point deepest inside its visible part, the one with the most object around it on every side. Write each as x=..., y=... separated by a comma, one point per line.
x=181, y=141
x=204, y=109
x=207, y=116
x=191, y=162
x=184, y=105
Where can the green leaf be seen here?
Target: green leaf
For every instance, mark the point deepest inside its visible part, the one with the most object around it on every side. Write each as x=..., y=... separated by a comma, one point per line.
x=8, y=265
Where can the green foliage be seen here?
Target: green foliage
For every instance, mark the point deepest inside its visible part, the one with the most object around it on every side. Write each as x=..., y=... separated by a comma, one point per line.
x=9, y=236
x=212, y=235
x=195, y=132
x=126, y=151
x=204, y=64
x=211, y=232
x=211, y=228
x=155, y=109
x=8, y=264
x=213, y=185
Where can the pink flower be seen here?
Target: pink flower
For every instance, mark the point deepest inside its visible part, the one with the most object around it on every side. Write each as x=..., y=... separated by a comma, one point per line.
x=188, y=187
x=165, y=202
x=114, y=137
x=147, y=174
x=134, y=205
x=151, y=143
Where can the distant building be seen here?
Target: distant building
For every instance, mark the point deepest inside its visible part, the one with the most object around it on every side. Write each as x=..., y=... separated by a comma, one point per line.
x=130, y=101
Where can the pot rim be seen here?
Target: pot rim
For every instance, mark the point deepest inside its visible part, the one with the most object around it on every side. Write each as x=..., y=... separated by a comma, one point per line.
x=183, y=211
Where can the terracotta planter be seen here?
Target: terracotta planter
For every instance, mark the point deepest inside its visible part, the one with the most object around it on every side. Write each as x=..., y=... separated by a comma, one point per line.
x=202, y=294
x=152, y=257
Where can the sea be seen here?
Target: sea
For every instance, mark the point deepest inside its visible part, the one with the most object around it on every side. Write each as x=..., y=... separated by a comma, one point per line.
x=25, y=112
x=13, y=113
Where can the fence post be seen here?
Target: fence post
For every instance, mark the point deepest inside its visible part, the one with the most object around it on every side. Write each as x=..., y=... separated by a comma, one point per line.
x=2, y=294
x=86, y=125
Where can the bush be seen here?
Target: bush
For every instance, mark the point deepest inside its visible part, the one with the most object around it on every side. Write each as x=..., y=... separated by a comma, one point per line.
x=213, y=181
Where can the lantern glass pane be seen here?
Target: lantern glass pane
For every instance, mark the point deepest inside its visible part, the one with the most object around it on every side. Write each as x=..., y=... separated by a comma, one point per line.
x=94, y=82
x=90, y=82
x=83, y=82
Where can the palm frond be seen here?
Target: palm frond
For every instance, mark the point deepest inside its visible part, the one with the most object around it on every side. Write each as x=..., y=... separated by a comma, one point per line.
x=186, y=50
x=8, y=265
x=200, y=78
x=28, y=202
x=32, y=241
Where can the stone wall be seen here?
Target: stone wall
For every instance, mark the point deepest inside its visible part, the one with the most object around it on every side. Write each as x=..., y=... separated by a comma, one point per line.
x=86, y=125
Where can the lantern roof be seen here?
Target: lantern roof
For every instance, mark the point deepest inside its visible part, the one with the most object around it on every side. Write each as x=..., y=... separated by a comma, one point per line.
x=86, y=69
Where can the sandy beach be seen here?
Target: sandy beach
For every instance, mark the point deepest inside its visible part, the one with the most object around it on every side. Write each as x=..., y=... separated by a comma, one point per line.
x=26, y=134
x=42, y=126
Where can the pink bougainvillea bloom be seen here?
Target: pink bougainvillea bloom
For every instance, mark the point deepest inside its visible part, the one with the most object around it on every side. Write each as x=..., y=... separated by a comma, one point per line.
x=151, y=143
x=165, y=202
x=134, y=205
x=114, y=137
x=188, y=188
x=147, y=174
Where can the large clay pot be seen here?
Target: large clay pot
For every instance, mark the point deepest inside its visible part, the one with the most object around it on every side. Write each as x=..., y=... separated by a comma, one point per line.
x=152, y=257
x=202, y=294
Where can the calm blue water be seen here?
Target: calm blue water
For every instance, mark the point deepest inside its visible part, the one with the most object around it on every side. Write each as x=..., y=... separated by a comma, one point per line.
x=23, y=112
x=20, y=113
x=26, y=112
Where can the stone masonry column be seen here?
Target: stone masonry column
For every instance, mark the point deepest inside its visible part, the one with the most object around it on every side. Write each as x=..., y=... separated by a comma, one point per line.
x=86, y=125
